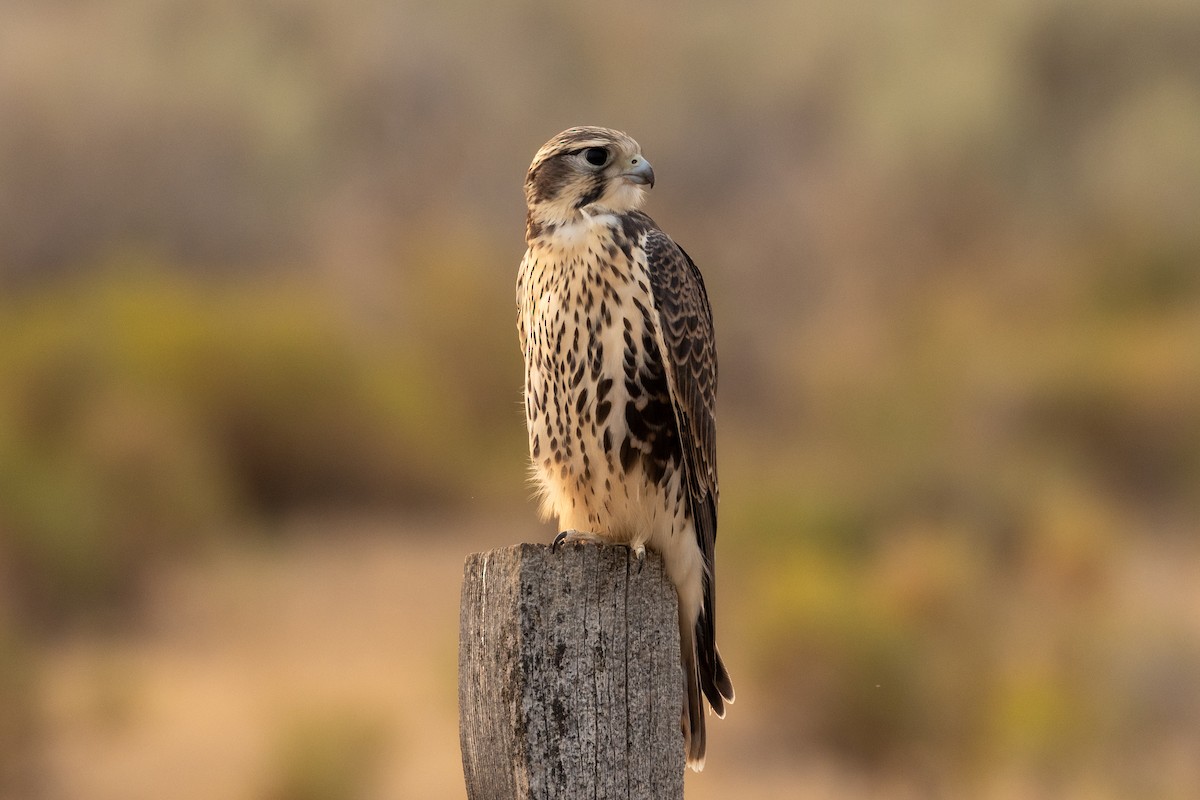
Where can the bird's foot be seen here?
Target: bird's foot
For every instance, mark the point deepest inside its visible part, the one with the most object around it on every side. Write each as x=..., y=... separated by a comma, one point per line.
x=574, y=537
x=639, y=552
x=585, y=537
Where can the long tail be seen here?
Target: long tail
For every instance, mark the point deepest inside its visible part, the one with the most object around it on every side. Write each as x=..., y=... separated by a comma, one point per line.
x=693, y=713
x=703, y=672
x=714, y=678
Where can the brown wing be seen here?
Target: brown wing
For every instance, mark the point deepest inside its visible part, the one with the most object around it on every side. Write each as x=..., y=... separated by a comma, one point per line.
x=687, y=330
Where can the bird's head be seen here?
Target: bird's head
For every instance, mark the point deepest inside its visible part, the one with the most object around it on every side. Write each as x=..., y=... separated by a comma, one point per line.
x=585, y=170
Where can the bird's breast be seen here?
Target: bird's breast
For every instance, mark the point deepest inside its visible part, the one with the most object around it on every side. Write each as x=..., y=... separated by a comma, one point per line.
x=597, y=404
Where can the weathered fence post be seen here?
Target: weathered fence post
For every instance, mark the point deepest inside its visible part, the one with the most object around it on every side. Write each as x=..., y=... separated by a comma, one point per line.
x=569, y=682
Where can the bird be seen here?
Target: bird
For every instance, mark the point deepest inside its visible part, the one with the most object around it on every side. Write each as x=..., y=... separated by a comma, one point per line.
x=620, y=385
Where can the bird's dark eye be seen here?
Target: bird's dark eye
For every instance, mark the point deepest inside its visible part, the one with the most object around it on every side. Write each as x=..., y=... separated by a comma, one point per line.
x=596, y=156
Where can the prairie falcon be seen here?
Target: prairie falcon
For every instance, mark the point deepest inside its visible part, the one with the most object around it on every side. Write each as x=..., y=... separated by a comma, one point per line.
x=620, y=383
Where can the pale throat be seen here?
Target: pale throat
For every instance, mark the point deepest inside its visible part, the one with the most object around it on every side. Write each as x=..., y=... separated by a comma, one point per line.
x=620, y=199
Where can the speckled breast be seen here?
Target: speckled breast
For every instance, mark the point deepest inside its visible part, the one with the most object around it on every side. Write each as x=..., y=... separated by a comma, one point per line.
x=596, y=399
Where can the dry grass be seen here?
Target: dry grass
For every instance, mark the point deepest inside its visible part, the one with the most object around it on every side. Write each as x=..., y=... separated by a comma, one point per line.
x=325, y=666
x=346, y=636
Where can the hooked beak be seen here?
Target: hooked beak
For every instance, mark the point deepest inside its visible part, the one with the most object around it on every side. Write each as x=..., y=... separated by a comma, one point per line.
x=639, y=171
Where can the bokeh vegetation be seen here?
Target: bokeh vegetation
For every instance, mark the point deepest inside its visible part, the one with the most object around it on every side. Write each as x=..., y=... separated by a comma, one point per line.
x=257, y=261
x=144, y=409
x=326, y=756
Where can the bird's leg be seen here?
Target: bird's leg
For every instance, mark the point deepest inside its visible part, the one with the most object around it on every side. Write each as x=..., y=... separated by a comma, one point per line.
x=574, y=537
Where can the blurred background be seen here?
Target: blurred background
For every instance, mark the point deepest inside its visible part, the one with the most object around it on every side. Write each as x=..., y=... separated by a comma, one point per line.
x=259, y=382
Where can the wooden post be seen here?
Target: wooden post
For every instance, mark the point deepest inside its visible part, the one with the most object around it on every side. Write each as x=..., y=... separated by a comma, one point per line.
x=569, y=681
